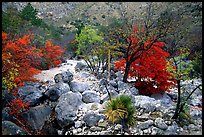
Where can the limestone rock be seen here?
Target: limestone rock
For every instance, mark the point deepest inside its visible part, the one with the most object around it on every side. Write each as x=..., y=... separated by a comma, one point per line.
x=10, y=128
x=90, y=97
x=66, y=108
x=65, y=77
x=159, y=122
x=37, y=116
x=56, y=90
x=78, y=87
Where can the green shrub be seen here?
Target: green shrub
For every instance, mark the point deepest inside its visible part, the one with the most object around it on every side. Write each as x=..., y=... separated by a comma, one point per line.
x=121, y=109
x=197, y=65
x=29, y=13
x=11, y=20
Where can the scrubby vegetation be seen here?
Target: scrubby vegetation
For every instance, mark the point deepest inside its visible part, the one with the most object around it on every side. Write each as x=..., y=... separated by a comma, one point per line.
x=121, y=110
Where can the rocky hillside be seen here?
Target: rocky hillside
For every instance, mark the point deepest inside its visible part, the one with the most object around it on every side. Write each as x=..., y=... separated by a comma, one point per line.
x=69, y=100
x=62, y=13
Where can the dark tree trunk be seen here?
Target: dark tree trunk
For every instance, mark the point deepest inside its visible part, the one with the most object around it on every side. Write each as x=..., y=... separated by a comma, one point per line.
x=106, y=83
x=126, y=71
x=183, y=104
x=176, y=114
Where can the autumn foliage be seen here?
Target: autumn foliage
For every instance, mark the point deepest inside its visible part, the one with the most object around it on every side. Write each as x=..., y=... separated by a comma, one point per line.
x=21, y=59
x=17, y=57
x=18, y=106
x=150, y=68
x=51, y=54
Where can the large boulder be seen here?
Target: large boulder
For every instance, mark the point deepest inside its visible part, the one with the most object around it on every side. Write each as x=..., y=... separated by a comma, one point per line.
x=6, y=116
x=90, y=97
x=119, y=76
x=31, y=94
x=146, y=103
x=164, y=99
x=67, y=107
x=91, y=119
x=171, y=130
x=159, y=122
x=6, y=97
x=56, y=90
x=79, y=66
x=37, y=116
x=134, y=91
x=65, y=77
x=145, y=125
x=105, y=96
x=10, y=128
x=78, y=87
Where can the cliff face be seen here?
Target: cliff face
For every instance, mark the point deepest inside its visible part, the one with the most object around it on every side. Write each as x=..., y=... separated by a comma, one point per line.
x=62, y=13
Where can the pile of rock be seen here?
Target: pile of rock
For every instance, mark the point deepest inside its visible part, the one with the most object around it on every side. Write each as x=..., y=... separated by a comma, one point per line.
x=76, y=106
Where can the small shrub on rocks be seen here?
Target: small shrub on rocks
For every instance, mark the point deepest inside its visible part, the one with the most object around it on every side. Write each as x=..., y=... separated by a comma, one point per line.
x=121, y=109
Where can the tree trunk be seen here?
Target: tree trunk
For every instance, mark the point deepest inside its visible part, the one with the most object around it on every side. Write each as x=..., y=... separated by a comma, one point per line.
x=183, y=104
x=106, y=83
x=176, y=114
x=126, y=71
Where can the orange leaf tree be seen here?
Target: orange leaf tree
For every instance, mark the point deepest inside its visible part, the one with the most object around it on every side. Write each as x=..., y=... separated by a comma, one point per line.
x=147, y=63
x=18, y=57
x=21, y=59
x=51, y=54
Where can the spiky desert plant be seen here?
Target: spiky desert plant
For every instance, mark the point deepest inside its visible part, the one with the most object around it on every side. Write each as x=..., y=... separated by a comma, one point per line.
x=120, y=109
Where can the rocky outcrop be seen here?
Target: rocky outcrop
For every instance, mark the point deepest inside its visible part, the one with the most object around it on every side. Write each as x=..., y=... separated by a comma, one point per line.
x=91, y=119
x=65, y=77
x=79, y=108
x=10, y=128
x=37, y=116
x=31, y=94
x=56, y=90
x=67, y=107
x=80, y=66
x=78, y=87
x=90, y=97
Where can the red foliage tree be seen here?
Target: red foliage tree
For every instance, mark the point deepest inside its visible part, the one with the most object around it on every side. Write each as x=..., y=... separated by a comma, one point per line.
x=52, y=54
x=148, y=65
x=18, y=58
x=21, y=59
x=17, y=106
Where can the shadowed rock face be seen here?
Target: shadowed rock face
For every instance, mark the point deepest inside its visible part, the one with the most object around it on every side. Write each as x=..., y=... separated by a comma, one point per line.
x=37, y=116
x=9, y=128
x=65, y=77
x=31, y=94
x=55, y=91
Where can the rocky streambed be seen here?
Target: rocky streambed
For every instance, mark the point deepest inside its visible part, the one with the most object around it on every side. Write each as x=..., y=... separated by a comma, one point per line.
x=69, y=100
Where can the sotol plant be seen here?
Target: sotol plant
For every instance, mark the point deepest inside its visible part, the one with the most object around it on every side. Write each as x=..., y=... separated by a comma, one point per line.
x=121, y=110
